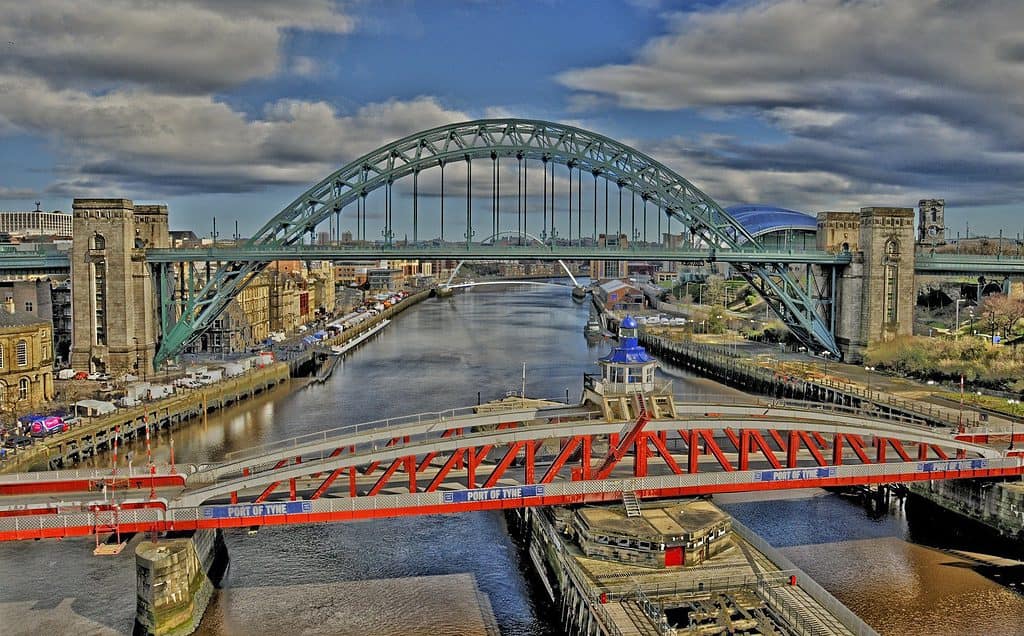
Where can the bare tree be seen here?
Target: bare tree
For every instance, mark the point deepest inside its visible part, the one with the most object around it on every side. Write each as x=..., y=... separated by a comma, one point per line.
x=1003, y=313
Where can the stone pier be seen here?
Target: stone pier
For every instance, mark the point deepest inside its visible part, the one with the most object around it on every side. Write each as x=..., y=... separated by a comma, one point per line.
x=999, y=505
x=175, y=579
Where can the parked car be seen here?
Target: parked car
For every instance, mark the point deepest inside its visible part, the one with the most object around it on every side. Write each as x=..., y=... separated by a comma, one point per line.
x=18, y=441
x=81, y=375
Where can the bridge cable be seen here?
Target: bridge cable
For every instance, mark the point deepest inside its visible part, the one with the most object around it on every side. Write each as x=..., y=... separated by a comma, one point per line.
x=544, y=197
x=644, y=197
x=658, y=237
x=618, y=239
x=519, y=197
x=526, y=199
x=554, y=232
x=442, y=201
x=632, y=229
x=569, y=206
x=606, y=212
x=469, y=201
x=579, y=205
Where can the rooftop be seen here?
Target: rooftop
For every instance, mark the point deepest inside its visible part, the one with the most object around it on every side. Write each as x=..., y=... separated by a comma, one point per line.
x=20, y=319
x=660, y=522
x=763, y=219
x=615, y=285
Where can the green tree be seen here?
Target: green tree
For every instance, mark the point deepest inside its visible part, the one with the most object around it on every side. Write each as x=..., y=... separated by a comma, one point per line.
x=716, y=319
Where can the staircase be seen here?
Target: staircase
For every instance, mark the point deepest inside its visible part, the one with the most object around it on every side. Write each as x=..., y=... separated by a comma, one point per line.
x=632, y=504
x=107, y=521
x=628, y=437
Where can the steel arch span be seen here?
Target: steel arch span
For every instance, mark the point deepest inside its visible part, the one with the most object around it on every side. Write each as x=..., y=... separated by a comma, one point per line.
x=496, y=139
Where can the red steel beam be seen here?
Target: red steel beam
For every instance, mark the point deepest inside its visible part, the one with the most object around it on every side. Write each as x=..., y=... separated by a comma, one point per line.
x=475, y=458
x=617, y=451
x=765, y=448
x=453, y=459
x=504, y=463
x=658, y=442
x=568, y=446
x=269, y=490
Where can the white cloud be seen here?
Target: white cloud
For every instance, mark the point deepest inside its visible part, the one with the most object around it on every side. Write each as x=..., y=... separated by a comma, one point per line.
x=191, y=46
x=305, y=66
x=170, y=143
x=131, y=95
x=874, y=100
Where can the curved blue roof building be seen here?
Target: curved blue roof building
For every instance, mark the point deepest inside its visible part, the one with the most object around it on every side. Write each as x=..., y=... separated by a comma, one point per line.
x=762, y=220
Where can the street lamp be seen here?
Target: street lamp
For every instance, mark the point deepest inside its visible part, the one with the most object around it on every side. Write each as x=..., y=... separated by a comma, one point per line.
x=825, y=355
x=1013, y=418
x=869, y=370
x=957, y=332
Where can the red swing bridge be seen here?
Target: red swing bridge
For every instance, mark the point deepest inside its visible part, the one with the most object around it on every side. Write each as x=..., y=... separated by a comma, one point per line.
x=629, y=434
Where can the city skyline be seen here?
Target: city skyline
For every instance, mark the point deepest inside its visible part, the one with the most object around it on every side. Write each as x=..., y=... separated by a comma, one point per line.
x=810, y=106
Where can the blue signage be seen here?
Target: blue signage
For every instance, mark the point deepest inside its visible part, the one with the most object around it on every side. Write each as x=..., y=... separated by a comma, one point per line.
x=492, y=494
x=257, y=510
x=953, y=464
x=793, y=474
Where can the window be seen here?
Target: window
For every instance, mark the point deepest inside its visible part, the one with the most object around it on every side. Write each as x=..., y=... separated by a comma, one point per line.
x=98, y=242
x=21, y=350
x=892, y=249
x=891, y=294
x=100, y=297
x=28, y=306
x=23, y=389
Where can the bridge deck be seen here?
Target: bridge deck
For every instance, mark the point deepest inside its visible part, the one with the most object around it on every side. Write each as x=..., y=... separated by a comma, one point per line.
x=461, y=461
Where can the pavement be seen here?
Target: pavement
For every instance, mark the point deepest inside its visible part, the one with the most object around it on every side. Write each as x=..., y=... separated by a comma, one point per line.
x=882, y=384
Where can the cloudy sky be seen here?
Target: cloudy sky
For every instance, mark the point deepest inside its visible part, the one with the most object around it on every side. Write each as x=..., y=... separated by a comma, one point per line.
x=231, y=108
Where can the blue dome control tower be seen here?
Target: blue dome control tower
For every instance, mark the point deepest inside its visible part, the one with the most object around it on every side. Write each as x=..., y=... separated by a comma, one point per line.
x=627, y=375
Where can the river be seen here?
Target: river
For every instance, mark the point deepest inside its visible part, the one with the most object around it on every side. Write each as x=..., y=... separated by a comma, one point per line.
x=461, y=574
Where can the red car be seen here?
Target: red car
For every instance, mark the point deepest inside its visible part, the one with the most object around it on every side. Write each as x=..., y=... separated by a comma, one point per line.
x=81, y=375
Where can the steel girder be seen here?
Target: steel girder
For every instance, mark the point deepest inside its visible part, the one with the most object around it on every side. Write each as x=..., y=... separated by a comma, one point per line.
x=502, y=138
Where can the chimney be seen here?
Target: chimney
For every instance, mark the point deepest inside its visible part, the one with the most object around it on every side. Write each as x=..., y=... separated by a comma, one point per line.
x=9, y=305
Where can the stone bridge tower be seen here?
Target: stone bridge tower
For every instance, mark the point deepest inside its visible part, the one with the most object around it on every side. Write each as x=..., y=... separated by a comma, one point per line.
x=114, y=309
x=876, y=293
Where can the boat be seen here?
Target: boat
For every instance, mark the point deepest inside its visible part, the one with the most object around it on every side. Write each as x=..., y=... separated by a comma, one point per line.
x=593, y=326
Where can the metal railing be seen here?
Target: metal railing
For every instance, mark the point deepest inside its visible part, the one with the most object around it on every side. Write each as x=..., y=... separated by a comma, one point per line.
x=820, y=595
x=443, y=420
x=554, y=492
x=93, y=473
x=715, y=355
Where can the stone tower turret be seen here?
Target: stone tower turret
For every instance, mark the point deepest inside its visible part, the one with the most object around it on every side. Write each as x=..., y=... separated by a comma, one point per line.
x=114, y=324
